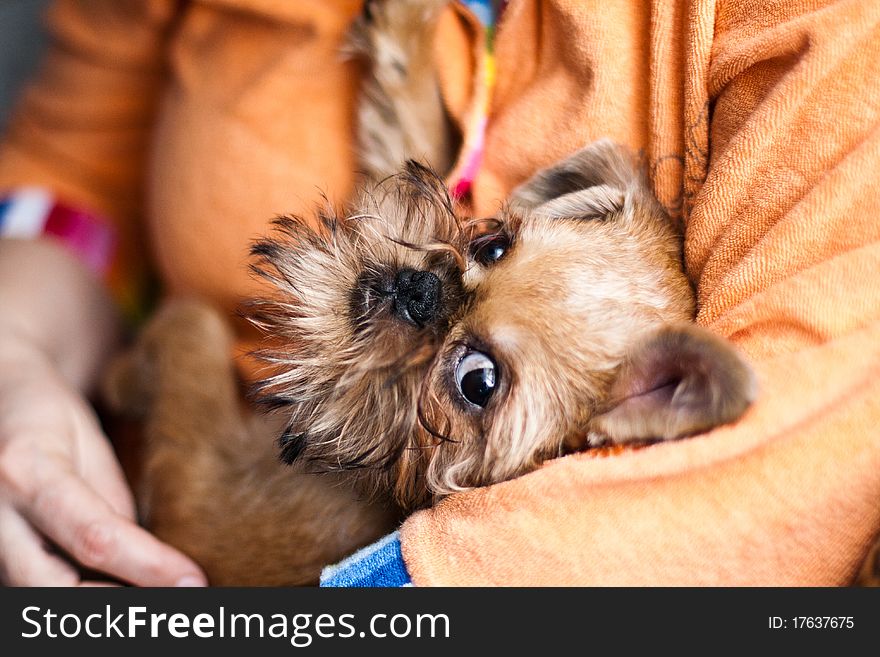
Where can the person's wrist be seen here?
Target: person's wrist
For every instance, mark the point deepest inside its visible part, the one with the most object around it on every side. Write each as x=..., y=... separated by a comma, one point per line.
x=21, y=355
x=55, y=303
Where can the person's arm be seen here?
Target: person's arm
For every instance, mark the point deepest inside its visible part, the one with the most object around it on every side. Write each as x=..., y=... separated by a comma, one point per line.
x=80, y=132
x=59, y=478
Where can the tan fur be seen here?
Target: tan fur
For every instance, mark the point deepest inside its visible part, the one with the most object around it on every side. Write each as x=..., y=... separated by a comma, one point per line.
x=585, y=315
x=212, y=484
x=401, y=115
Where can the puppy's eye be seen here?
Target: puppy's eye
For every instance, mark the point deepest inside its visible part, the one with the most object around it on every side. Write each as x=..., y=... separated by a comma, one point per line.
x=490, y=248
x=475, y=378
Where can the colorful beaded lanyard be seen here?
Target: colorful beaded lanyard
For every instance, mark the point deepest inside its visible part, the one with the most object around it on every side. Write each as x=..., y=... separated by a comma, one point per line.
x=462, y=178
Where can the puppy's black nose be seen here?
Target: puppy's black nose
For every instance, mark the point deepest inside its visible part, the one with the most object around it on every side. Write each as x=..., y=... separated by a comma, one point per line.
x=417, y=296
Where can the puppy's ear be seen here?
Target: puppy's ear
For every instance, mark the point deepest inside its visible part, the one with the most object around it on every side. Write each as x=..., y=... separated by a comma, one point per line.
x=592, y=182
x=679, y=380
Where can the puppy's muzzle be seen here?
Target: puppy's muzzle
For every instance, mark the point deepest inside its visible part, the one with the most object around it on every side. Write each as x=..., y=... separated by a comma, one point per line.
x=417, y=296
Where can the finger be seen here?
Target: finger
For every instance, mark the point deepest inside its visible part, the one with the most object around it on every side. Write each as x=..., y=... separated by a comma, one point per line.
x=24, y=560
x=97, y=462
x=105, y=476
x=83, y=525
x=27, y=465
x=86, y=584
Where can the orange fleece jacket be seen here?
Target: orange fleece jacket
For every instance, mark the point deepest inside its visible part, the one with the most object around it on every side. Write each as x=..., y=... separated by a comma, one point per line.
x=760, y=122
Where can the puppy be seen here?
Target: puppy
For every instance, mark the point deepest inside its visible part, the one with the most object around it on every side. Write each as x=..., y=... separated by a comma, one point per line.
x=416, y=351
x=428, y=354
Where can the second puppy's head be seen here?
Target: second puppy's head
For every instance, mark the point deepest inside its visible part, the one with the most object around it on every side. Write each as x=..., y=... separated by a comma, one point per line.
x=431, y=354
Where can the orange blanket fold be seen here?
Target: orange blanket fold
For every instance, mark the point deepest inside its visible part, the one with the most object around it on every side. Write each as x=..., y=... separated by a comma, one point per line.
x=765, y=138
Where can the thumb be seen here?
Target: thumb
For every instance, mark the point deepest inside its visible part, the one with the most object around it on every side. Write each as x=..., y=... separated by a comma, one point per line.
x=100, y=467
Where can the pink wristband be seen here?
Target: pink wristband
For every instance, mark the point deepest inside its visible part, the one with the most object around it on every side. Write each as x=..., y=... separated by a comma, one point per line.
x=29, y=212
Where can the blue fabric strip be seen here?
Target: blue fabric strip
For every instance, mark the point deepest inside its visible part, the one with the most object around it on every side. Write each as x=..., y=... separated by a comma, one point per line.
x=482, y=9
x=379, y=564
x=4, y=204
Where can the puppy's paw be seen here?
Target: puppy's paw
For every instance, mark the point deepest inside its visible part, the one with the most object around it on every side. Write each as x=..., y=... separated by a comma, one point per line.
x=400, y=114
x=188, y=324
x=185, y=339
x=127, y=385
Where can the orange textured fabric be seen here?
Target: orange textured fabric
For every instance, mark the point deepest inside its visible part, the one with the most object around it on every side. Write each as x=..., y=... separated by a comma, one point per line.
x=759, y=123
x=761, y=127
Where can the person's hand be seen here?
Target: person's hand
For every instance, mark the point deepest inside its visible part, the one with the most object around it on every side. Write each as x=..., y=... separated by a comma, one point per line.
x=64, y=502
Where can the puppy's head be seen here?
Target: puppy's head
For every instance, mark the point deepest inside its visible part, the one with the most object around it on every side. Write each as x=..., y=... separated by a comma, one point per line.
x=433, y=355
x=361, y=306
